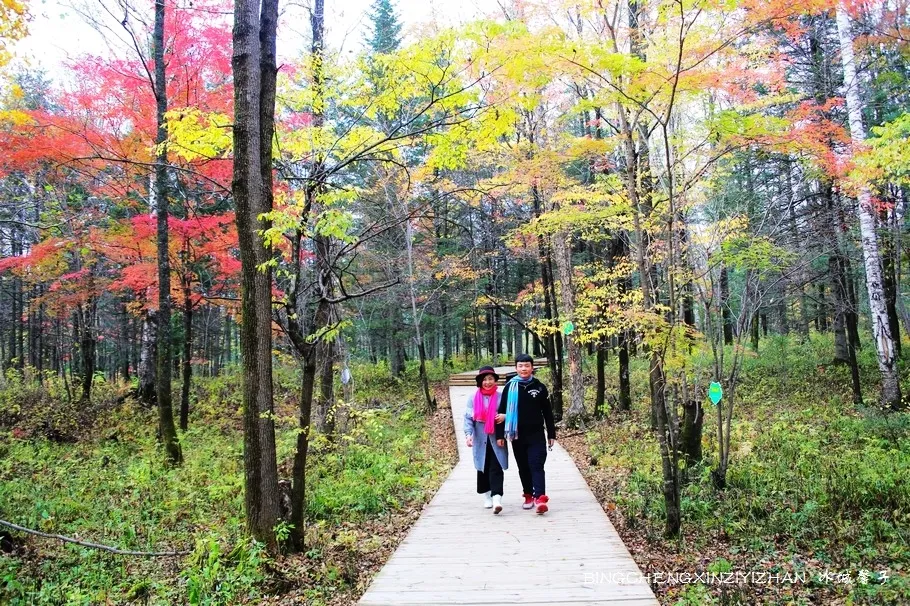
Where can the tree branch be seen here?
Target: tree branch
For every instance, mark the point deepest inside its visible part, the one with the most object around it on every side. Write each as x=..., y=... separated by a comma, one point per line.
x=147, y=554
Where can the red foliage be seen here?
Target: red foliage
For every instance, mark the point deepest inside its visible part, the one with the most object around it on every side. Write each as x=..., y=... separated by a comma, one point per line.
x=200, y=247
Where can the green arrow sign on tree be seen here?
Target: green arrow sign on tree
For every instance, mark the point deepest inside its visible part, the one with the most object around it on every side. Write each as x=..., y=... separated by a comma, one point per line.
x=715, y=392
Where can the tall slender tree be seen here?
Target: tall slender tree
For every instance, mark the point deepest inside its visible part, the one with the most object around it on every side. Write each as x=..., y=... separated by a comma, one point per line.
x=254, y=68
x=163, y=387
x=881, y=328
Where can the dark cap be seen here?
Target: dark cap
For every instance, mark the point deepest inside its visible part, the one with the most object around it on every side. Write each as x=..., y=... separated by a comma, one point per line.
x=486, y=370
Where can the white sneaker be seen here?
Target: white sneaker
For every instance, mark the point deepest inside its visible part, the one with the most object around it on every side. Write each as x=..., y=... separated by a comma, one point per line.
x=487, y=500
x=497, y=503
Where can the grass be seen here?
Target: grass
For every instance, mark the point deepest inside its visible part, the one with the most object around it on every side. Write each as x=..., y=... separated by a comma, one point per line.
x=814, y=483
x=112, y=486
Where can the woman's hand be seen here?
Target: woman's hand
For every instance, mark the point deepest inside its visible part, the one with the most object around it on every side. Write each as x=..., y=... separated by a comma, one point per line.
x=500, y=418
x=469, y=441
x=500, y=443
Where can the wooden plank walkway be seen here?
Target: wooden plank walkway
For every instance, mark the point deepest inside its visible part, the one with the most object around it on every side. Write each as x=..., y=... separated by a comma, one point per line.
x=460, y=553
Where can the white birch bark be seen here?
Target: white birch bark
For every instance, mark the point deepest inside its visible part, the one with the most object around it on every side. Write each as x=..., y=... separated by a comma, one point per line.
x=884, y=340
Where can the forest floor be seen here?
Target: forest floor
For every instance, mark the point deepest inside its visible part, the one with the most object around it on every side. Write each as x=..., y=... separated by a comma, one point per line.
x=815, y=484
x=95, y=472
x=817, y=505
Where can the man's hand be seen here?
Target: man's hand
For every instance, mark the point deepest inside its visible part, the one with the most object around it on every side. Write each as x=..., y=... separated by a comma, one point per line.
x=500, y=418
x=470, y=441
x=552, y=442
x=500, y=442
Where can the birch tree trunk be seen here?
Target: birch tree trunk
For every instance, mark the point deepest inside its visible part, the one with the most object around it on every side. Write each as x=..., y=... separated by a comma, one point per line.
x=147, y=356
x=884, y=340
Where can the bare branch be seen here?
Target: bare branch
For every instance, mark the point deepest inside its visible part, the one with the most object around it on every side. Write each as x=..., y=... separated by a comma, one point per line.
x=59, y=537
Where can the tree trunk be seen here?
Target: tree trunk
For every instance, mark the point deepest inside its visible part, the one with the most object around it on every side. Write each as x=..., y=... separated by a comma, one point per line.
x=725, y=305
x=691, y=432
x=619, y=251
x=625, y=385
x=187, y=359
x=821, y=310
x=325, y=408
x=85, y=320
x=148, y=354
x=754, y=331
x=841, y=340
x=424, y=378
x=298, y=487
x=599, y=403
x=254, y=72
x=669, y=453
x=666, y=430
x=429, y=402
x=161, y=194
x=126, y=338
x=446, y=333
x=397, y=345
x=884, y=339
x=889, y=282
x=562, y=247
x=553, y=344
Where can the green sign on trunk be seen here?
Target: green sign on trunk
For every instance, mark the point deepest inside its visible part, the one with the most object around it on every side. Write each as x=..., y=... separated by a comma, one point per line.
x=715, y=392
x=568, y=328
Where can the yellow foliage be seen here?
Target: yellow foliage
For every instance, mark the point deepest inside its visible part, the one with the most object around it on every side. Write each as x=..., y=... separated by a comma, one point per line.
x=13, y=26
x=194, y=135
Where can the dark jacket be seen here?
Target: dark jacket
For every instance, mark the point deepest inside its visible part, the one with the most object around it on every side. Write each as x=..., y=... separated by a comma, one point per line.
x=534, y=411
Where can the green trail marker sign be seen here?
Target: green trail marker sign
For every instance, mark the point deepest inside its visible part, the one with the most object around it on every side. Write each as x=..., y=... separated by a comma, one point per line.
x=568, y=328
x=715, y=392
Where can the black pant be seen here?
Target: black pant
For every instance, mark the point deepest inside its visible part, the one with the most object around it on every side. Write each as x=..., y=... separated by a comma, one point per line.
x=530, y=455
x=490, y=479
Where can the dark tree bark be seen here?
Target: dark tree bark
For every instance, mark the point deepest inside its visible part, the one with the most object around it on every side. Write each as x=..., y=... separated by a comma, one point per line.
x=254, y=70
x=599, y=402
x=166, y=427
x=624, y=401
x=187, y=359
x=754, y=329
x=889, y=282
x=691, y=431
x=84, y=324
x=725, y=306
x=298, y=486
x=553, y=342
x=821, y=310
x=619, y=250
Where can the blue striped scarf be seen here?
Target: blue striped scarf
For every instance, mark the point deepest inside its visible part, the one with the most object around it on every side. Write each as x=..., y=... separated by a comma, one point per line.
x=512, y=406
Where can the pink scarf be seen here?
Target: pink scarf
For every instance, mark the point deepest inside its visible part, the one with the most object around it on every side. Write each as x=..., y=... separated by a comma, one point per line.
x=488, y=415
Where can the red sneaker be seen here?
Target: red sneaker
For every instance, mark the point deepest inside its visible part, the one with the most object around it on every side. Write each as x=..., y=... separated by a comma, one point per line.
x=529, y=502
x=542, y=501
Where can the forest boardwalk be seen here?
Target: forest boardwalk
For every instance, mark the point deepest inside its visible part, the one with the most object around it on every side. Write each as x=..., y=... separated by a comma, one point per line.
x=460, y=553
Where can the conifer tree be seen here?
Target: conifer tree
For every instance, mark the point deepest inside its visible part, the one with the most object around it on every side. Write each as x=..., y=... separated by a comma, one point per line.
x=385, y=36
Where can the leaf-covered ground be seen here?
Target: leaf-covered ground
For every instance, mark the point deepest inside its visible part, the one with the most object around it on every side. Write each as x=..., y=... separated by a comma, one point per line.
x=817, y=507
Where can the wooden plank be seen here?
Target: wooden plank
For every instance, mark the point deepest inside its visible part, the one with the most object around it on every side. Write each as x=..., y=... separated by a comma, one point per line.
x=460, y=553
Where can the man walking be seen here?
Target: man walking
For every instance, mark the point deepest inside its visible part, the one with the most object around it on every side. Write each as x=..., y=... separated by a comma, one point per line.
x=526, y=403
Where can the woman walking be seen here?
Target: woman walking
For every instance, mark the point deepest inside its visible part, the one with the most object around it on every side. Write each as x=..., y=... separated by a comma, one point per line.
x=491, y=456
